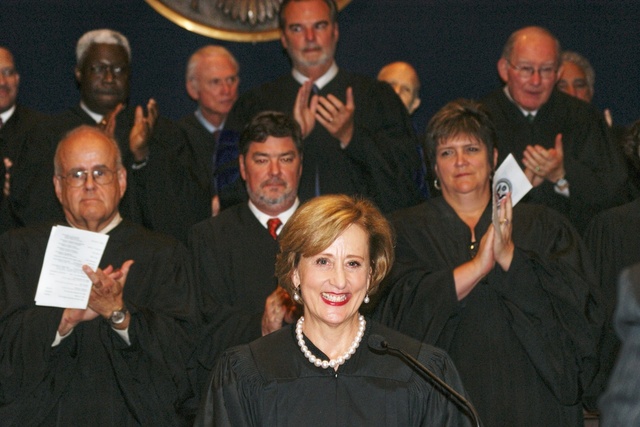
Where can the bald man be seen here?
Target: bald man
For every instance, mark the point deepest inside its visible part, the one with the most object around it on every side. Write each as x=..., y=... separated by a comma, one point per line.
x=561, y=143
x=405, y=82
x=120, y=361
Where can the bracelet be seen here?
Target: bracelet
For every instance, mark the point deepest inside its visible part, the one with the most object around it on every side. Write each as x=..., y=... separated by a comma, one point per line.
x=139, y=165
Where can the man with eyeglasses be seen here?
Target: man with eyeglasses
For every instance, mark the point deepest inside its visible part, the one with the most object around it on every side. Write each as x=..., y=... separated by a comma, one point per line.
x=102, y=71
x=120, y=361
x=16, y=123
x=200, y=176
x=561, y=143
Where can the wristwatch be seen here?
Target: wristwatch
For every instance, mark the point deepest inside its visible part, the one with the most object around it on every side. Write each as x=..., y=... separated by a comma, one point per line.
x=562, y=184
x=117, y=316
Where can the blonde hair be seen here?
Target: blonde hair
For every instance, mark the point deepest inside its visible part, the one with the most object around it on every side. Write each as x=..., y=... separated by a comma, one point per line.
x=317, y=223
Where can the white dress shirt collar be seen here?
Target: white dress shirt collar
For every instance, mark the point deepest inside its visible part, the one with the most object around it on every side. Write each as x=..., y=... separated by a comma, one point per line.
x=321, y=81
x=283, y=216
x=207, y=125
x=522, y=110
x=95, y=116
x=7, y=114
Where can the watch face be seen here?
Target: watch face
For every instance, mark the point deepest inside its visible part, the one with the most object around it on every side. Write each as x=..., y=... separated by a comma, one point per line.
x=118, y=317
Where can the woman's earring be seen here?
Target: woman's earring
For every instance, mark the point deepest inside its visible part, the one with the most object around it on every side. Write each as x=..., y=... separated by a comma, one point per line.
x=366, y=299
x=296, y=294
x=436, y=184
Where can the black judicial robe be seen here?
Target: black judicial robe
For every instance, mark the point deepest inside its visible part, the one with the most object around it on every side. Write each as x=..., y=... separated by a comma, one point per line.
x=269, y=382
x=93, y=377
x=175, y=188
x=234, y=264
x=523, y=340
x=381, y=160
x=612, y=237
x=594, y=165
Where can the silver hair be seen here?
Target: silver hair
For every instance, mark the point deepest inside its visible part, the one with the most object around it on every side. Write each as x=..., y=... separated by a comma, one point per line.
x=583, y=63
x=207, y=51
x=105, y=36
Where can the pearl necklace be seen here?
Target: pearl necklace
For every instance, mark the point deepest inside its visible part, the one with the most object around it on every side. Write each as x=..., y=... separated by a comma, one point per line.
x=333, y=363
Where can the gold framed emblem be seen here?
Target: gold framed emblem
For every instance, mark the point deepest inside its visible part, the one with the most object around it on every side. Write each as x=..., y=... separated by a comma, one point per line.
x=232, y=20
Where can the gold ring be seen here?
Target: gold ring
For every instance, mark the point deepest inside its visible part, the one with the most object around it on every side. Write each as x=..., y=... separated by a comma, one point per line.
x=537, y=168
x=504, y=221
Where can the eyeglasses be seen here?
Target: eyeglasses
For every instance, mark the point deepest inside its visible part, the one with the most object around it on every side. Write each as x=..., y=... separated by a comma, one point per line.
x=8, y=72
x=77, y=178
x=526, y=71
x=218, y=83
x=115, y=70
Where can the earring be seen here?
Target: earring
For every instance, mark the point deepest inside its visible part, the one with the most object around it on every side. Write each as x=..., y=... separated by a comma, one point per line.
x=296, y=294
x=366, y=299
x=436, y=184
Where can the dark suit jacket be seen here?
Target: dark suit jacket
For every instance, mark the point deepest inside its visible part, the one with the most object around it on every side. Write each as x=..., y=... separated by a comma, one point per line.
x=27, y=153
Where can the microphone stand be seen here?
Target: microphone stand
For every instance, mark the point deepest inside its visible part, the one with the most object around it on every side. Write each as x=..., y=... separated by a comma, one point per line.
x=457, y=397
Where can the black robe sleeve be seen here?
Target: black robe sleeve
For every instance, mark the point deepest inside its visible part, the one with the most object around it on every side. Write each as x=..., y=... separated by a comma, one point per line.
x=546, y=301
x=93, y=374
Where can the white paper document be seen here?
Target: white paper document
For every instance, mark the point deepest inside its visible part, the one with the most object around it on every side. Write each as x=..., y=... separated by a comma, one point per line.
x=62, y=282
x=510, y=178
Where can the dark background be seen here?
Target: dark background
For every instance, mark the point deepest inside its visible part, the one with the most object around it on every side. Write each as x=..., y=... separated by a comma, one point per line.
x=454, y=45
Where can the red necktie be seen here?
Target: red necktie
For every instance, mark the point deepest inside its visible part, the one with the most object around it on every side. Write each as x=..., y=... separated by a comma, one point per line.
x=273, y=225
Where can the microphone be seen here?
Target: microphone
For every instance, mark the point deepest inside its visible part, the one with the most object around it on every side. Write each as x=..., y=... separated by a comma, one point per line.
x=379, y=343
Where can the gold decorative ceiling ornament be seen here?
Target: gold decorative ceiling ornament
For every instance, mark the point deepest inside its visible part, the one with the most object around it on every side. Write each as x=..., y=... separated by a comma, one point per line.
x=233, y=20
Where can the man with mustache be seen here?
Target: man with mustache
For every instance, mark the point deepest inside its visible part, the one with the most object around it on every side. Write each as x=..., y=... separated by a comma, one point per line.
x=234, y=252
x=102, y=72
x=358, y=136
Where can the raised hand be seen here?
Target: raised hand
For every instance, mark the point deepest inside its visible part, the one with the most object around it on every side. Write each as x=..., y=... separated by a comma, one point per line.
x=304, y=110
x=142, y=129
x=108, y=122
x=107, y=287
x=337, y=117
x=501, y=222
x=543, y=163
x=279, y=309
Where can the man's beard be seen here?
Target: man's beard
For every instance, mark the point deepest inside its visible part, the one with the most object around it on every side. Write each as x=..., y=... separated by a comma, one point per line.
x=324, y=58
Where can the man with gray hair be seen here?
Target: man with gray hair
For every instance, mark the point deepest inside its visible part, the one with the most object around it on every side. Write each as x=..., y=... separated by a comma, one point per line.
x=561, y=143
x=200, y=176
x=577, y=76
x=102, y=71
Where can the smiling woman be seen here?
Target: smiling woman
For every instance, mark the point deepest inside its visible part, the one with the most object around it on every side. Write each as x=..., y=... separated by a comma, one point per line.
x=334, y=252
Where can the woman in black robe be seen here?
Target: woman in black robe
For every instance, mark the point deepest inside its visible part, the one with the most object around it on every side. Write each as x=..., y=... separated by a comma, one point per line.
x=503, y=291
x=334, y=252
